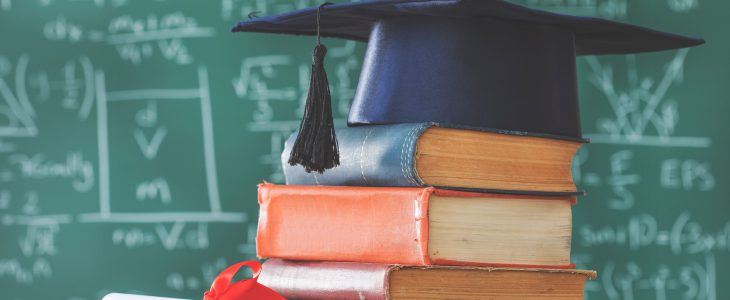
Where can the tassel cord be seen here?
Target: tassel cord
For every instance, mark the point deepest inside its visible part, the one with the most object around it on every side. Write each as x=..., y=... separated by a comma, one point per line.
x=315, y=147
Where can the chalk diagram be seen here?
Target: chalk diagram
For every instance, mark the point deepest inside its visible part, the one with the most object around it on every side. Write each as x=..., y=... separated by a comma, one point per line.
x=642, y=114
x=105, y=99
x=16, y=112
x=21, y=90
x=89, y=90
x=136, y=39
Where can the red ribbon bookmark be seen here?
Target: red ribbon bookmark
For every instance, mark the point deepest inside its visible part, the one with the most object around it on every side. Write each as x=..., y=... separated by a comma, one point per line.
x=222, y=289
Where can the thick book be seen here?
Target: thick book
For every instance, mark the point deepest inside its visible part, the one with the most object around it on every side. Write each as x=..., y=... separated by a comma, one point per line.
x=428, y=154
x=413, y=226
x=357, y=281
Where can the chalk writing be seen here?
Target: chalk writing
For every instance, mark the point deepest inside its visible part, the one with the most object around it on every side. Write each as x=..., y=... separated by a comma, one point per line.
x=683, y=236
x=61, y=29
x=136, y=39
x=77, y=87
x=177, y=236
x=240, y=9
x=619, y=181
x=611, y=9
x=39, y=240
x=16, y=111
x=633, y=280
x=683, y=5
x=179, y=282
x=147, y=117
x=191, y=282
x=259, y=81
x=25, y=274
x=149, y=147
x=133, y=37
x=173, y=239
x=75, y=168
x=673, y=174
x=26, y=220
x=252, y=84
x=96, y=3
x=156, y=188
x=688, y=175
x=30, y=206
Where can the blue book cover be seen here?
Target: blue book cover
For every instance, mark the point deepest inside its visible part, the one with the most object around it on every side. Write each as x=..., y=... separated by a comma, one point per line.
x=380, y=155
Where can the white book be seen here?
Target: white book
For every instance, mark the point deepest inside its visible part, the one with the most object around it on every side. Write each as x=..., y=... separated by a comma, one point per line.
x=118, y=296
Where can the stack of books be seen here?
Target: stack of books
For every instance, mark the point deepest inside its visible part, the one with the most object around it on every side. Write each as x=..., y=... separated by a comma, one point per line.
x=423, y=211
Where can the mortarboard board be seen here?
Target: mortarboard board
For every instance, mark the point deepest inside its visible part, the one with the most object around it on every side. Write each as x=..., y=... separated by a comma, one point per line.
x=474, y=63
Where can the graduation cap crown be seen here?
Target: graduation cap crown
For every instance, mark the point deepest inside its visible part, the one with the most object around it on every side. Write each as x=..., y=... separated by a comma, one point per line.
x=473, y=63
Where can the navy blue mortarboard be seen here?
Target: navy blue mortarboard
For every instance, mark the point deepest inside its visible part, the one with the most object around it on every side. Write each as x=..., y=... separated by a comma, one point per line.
x=475, y=63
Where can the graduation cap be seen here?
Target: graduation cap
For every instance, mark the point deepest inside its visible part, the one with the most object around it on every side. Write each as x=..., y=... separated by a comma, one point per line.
x=472, y=63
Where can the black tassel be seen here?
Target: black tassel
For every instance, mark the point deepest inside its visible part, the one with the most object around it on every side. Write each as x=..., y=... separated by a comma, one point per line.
x=316, y=145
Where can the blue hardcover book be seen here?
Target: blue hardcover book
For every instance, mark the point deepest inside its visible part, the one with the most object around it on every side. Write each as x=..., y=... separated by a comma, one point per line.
x=429, y=154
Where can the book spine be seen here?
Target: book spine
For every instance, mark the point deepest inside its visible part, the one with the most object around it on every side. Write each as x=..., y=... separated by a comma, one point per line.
x=378, y=155
x=377, y=225
x=326, y=280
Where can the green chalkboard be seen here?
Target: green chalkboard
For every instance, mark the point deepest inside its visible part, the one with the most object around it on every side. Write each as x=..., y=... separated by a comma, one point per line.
x=133, y=134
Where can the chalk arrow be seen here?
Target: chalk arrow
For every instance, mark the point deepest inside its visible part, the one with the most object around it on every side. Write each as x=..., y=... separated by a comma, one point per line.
x=150, y=147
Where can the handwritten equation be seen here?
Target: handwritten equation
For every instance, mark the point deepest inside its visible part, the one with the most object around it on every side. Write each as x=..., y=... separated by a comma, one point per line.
x=675, y=174
x=610, y=9
x=693, y=279
x=136, y=39
x=643, y=113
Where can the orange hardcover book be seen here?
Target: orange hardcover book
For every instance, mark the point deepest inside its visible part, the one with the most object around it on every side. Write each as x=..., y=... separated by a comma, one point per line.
x=413, y=226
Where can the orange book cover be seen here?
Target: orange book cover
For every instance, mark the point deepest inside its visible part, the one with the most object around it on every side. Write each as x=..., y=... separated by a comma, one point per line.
x=365, y=224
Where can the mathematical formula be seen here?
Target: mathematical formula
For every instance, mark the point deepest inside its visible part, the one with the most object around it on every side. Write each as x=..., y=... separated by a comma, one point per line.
x=682, y=236
x=694, y=279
